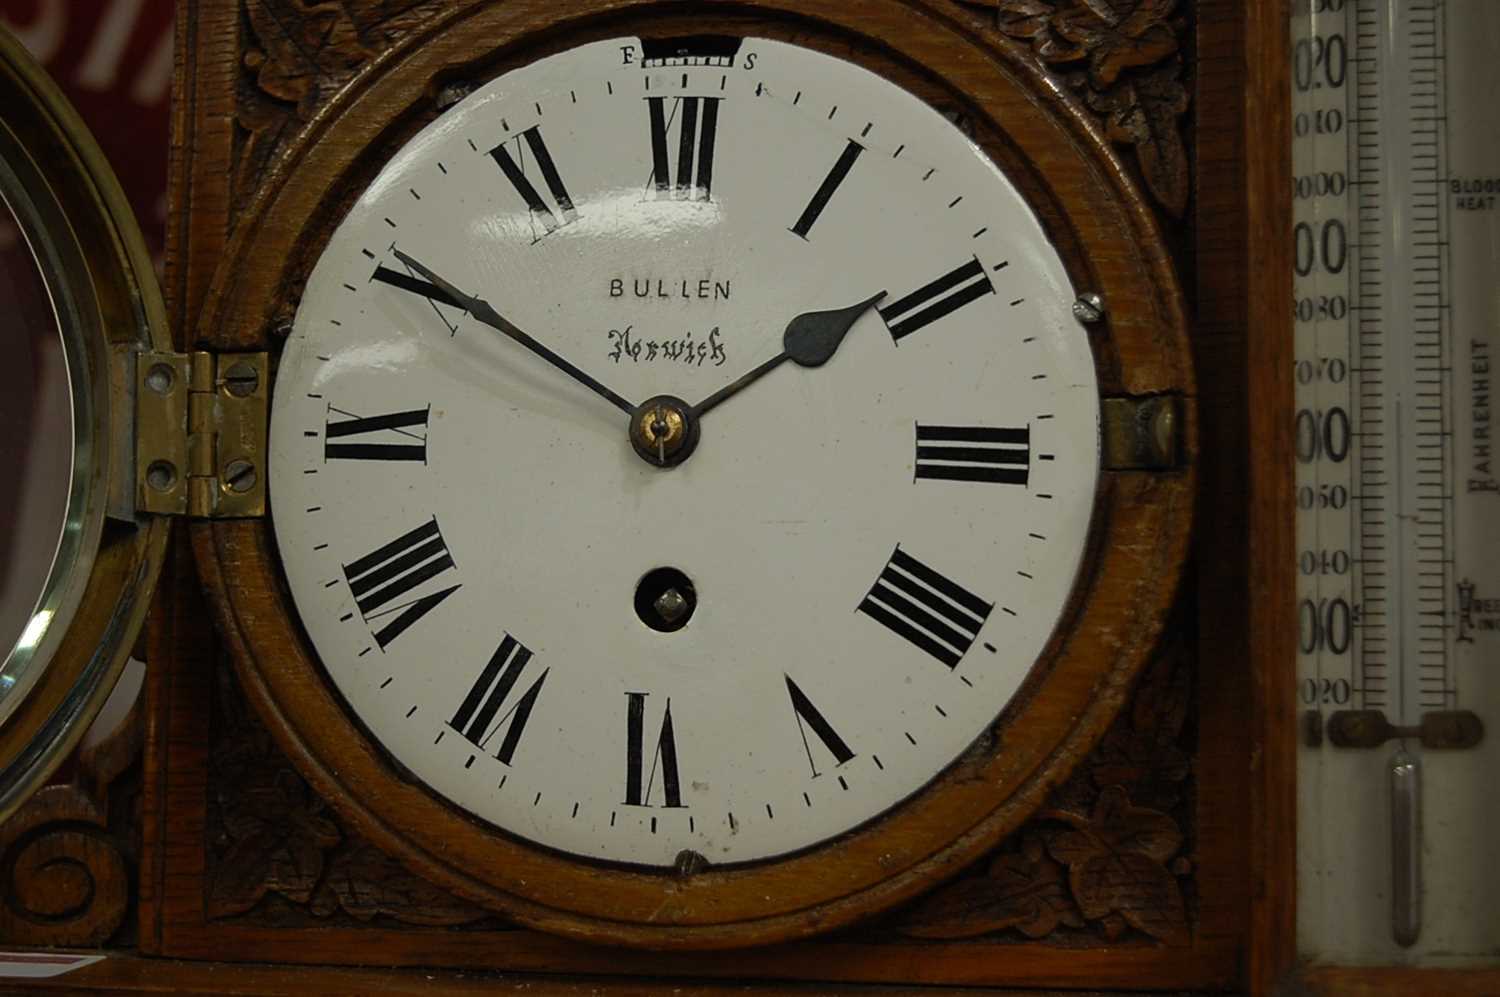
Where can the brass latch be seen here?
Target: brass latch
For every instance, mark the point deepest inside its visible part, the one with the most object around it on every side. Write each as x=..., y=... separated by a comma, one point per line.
x=200, y=434
x=1142, y=434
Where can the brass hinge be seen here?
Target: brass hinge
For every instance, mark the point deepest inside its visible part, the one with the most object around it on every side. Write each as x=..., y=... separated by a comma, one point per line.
x=200, y=434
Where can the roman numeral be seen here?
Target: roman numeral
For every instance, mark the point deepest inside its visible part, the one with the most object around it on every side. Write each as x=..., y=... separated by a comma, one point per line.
x=531, y=140
x=808, y=717
x=412, y=284
x=475, y=718
x=387, y=436
x=638, y=794
x=940, y=616
x=943, y=296
x=697, y=123
x=394, y=570
x=830, y=185
x=974, y=453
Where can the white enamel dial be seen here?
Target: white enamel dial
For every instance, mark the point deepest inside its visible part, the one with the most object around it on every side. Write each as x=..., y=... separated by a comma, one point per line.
x=872, y=553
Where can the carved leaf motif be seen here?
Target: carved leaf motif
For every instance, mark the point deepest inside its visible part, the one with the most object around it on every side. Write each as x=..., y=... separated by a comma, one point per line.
x=270, y=859
x=276, y=828
x=276, y=836
x=1130, y=47
x=302, y=43
x=1141, y=751
x=305, y=50
x=364, y=882
x=1024, y=890
x=1112, y=42
x=1144, y=114
x=1142, y=891
x=1027, y=19
x=1115, y=859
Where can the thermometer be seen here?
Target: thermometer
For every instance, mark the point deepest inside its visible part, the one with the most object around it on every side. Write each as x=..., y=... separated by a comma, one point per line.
x=1396, y=235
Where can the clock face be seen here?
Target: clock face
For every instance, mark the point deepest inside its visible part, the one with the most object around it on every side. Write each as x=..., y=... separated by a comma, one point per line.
x=847, y=566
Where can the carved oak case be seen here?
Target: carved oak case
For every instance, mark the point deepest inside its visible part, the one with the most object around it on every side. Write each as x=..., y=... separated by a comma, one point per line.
x=1122, y=861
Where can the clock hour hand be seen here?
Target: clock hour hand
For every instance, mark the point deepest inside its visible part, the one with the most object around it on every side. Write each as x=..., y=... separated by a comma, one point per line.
x=481, y=310
x=810, y=340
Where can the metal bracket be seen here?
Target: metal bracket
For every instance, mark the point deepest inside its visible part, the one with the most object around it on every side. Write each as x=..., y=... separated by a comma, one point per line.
x=1142, y=434
x=200, y=439
x=1443, y=730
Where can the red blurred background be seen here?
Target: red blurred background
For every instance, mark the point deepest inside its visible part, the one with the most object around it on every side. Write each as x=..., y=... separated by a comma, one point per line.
x=113, y=58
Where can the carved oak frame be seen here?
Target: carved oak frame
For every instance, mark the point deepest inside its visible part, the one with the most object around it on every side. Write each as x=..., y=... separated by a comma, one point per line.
x=252, y=75
x=1111, y=244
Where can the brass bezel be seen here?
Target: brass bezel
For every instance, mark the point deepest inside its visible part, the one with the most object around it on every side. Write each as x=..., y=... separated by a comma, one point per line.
x=102, y=281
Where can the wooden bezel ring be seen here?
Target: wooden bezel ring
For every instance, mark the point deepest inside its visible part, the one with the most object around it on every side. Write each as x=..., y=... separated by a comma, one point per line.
x=1109, y=241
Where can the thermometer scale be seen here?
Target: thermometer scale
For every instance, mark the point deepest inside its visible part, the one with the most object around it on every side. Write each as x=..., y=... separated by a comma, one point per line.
x=1396, y=235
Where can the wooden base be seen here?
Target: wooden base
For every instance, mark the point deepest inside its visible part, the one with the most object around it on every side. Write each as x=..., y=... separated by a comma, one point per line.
x=125, y=974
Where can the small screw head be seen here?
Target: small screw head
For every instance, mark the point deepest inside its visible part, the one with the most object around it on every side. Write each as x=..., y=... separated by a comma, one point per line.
x=1089, y=308
x=161, y=476
x=665, y=600
x=452, y=94
x=242, y=379
x=671, y=605
x=159, y=378
x=689, y=863
x=239, y=476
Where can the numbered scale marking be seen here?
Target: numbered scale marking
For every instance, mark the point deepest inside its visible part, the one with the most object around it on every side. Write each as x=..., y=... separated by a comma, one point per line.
x=1396, y=168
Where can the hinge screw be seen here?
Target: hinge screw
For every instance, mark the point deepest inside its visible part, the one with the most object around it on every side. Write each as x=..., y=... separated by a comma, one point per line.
x=159, y=378
x=161, y=476
x=239, y=476
x=242, y=379
x=1089, y=308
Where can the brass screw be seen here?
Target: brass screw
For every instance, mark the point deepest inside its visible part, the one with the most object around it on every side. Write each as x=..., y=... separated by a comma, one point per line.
x=1089, y=308
x=242, y=379
x=159, y=378
x=161, y=476
x=239, y=476
x=689, y=863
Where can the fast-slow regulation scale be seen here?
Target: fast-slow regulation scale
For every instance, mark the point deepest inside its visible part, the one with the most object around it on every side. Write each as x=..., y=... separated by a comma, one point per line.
x=1396, y=163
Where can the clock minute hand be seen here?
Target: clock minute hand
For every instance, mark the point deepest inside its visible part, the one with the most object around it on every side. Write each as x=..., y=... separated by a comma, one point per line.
x=481, y=310
x=811, y=339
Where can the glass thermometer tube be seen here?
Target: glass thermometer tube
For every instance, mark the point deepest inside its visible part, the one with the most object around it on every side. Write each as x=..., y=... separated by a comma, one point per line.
x=1396, y=235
